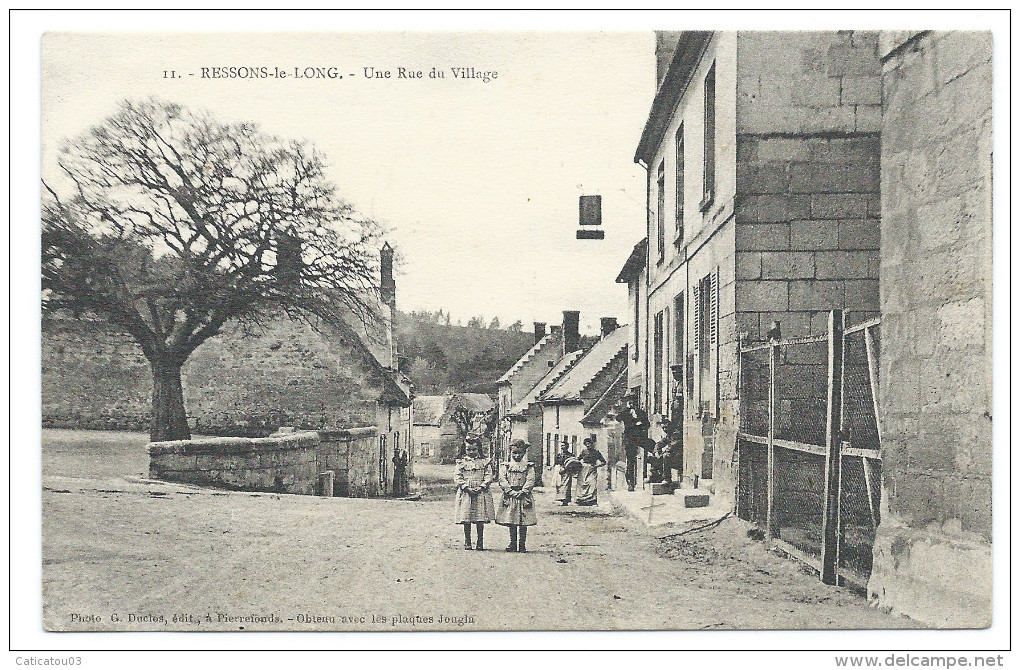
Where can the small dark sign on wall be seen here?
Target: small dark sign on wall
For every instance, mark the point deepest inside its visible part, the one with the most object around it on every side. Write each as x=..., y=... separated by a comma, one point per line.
x=590, y=210
x=590, y=214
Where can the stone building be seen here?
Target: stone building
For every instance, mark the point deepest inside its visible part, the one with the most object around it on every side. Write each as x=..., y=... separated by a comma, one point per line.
x=437, y=437
x=287, y=373
x=567, y=406
x=932, y=556
x=525, y=422
x=762, y=153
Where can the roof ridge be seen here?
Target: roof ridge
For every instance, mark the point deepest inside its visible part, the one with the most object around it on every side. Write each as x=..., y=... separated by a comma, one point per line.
x=603, y=369
x=528, y=355
x=612, y=385
x=578, y=355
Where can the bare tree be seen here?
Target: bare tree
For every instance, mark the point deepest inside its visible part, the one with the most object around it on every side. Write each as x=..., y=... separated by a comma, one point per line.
x=169, y=224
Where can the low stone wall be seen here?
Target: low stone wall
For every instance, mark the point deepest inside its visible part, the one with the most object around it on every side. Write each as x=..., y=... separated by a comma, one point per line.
x=290, y=463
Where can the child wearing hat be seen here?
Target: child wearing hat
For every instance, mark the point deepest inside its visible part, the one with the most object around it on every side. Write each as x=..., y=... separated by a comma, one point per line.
x=517, y=508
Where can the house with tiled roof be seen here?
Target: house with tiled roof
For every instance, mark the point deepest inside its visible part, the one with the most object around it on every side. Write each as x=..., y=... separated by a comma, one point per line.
x=514, y=387
x=437, y=437
x=584, y=393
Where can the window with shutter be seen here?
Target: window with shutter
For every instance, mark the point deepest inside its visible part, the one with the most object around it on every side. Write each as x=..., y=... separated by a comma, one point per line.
x=714, y=317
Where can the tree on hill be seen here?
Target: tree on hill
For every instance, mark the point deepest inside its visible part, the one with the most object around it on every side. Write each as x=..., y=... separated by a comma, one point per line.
x=170, y=224
x=448, y=358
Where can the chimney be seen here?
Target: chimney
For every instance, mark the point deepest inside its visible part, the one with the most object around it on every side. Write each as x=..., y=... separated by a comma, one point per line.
x=539, y=331
x=388, y=294
x=608, y=325
x=387, y=287
x=571, y=331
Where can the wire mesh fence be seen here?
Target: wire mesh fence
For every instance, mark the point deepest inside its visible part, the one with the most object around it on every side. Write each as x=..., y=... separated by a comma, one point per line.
x=860, y=457
x=800, y=413
x=752, y=482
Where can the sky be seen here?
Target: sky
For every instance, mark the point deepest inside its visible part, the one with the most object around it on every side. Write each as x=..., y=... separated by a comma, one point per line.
x=477, y=182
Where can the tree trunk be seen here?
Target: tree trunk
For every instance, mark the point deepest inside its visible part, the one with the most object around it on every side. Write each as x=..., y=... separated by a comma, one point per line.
x=169, y=421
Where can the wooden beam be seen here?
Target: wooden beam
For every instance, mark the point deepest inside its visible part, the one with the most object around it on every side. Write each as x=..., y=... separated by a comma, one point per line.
x=869, y=343
x=832, y=443
x=873, y=454
x=771, y=530
x=871, y=497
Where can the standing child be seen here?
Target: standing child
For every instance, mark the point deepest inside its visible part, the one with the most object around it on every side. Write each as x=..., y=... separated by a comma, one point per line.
x=517, y=509
x=473, y=476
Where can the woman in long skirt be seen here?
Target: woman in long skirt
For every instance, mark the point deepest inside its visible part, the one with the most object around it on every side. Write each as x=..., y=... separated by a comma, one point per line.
x=517, y=508
x=473, y=475
x=588, y=484
x=567, y=466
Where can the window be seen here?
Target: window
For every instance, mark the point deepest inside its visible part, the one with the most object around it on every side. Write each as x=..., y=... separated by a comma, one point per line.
x=660, y=211
x=548, y=448
x=657, y=363
x=709, y=173
x=680, y=186
x=678, y=331
x=706, y=340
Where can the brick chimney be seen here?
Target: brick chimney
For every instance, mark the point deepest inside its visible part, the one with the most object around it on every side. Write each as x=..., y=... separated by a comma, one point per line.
x=571, y=331
x=539, y=331
x=608, y=324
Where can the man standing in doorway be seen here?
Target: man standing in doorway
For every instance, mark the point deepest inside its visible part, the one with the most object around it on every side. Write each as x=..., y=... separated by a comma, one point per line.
x=635, y=433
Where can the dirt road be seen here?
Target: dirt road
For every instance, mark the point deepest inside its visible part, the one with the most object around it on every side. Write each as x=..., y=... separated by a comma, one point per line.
x=122, y=553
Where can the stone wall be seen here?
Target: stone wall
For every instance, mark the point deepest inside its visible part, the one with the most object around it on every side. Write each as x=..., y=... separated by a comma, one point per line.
x=234, y=384
x=281, y=463
x=932, y=555
x=808, y=231
x=803, y=82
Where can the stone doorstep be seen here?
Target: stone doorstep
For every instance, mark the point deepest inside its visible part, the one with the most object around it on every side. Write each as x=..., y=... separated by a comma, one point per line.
x=670, y=512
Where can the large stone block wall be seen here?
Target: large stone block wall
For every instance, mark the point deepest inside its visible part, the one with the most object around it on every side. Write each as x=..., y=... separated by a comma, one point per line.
x=352, y=456
x=234, y=384
x=808, y=82
x=281, y=464
x=932, y=554
x=284, y=464
x=808, y=231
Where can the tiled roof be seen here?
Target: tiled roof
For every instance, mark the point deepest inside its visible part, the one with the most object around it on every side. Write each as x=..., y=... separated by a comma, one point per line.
x=608, y=401
x=531, y=353
x=634, y=264
x=475, y=402
x=577, y=379
x=429, y=410
x=554, y=374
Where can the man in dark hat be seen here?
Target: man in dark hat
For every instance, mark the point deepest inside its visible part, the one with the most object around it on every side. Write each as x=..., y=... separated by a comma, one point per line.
x=635, y=433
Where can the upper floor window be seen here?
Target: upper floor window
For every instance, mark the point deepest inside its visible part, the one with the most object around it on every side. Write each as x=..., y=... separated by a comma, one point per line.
x=680, y=185
x=709, y=172
x=660, y=211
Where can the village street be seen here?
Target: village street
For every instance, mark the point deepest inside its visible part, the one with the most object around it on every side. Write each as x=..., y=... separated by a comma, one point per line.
x=116, y=545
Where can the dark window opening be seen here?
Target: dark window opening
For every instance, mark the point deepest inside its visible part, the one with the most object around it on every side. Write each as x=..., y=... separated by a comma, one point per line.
x=709, y=173
x=660, y=212
x=680, y=185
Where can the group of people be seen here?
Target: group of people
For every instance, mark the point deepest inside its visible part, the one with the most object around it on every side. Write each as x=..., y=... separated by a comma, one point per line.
x=474, y=476
x=583, y=468
x=663, y=456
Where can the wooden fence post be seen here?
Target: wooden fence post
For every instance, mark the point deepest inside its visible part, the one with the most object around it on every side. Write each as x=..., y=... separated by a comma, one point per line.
x=771, y=532
x=833, y=444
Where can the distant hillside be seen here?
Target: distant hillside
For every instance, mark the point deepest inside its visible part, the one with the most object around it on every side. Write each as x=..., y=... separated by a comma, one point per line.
x=445, y=358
